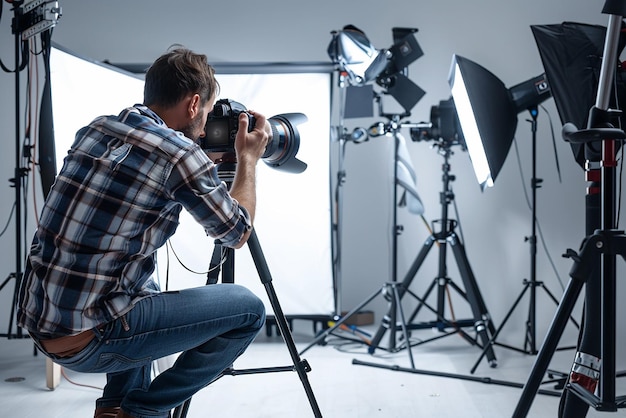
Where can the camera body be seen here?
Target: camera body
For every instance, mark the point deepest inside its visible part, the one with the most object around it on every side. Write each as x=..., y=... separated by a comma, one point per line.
x=222, y=126
x=445, y=127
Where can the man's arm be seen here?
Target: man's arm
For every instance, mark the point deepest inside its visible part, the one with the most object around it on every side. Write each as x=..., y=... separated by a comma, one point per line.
x=249, y=147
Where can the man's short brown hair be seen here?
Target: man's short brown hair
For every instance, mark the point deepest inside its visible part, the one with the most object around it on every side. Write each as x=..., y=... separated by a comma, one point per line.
x=176, y=74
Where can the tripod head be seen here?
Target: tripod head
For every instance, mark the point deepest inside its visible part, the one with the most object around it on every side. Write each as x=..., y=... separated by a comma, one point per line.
x=226, y=164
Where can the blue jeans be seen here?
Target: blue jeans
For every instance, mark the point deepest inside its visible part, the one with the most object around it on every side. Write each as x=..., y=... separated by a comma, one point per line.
x=211, y=325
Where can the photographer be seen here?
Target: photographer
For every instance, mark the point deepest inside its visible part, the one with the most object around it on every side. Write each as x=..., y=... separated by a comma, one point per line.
x=87, y=297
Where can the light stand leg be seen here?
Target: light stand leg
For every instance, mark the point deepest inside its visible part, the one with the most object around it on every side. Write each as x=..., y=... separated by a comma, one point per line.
x=387, y=322
x=483, y=323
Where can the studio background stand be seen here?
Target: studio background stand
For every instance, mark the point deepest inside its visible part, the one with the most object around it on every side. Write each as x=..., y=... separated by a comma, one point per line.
x=595, y=264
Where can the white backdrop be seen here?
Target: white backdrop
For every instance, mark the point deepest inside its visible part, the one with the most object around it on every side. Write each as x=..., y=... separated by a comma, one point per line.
x=293, y=213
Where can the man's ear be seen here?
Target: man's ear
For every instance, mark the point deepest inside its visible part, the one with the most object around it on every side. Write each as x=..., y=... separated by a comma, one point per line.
x=194, y=106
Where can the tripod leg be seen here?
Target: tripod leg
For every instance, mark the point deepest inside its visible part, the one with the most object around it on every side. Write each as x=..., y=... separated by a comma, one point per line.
x=405, y=332
x=550, y=343
x=479, y=309
x=264, y=274
x=556, y=302
x=408, y=278
x=422, y=301
x=4, y=283
x=181, y=410
x=494, y=336
x=341, y=321
x=590, y=336
x=215, y=265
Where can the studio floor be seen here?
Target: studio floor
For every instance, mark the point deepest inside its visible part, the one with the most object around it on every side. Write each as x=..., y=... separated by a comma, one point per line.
x=340, y=388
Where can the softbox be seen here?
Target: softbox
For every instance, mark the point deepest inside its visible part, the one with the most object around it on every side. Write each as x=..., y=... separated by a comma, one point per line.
x=572, y=56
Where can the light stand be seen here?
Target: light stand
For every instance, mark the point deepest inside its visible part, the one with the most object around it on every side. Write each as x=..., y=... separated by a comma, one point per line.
x=597, y=255
x=478, y=94
x=481, y=319
x=531, y=329
x=342, y=138
x=390, y=289
x=362, y=64
x=531, y=285
x=29, y=19
x=16, y=181
x=336, y=228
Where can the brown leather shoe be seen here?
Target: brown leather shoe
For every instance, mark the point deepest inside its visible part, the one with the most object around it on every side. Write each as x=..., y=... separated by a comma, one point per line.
x=107, y=412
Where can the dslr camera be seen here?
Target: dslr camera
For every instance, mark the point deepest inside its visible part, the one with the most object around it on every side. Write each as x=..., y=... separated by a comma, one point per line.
x=223, y=123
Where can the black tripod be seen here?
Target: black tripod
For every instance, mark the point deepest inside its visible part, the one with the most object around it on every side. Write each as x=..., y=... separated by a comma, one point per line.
x=481, y=320
x=299, y=365
x=595, y=265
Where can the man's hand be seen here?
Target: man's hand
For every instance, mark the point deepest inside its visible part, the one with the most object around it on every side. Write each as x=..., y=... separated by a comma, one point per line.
x=249, y=147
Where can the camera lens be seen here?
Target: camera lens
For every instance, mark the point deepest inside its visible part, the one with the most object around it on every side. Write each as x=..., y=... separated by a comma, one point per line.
x=285, y=143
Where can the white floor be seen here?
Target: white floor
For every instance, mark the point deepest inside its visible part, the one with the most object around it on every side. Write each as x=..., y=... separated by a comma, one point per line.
x=340, y=388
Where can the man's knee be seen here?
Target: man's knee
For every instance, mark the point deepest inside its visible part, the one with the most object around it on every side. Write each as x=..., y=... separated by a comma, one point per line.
x=250, y=303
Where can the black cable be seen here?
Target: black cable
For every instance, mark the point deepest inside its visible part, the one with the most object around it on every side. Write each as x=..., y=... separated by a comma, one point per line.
x=556, y=154
x=458, y=218
x=621, y=168
x=4, y=68
x=6, y=226
x=22, y=65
